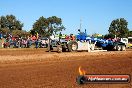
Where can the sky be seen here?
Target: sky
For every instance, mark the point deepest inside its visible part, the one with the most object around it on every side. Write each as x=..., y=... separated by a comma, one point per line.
x=95, y=15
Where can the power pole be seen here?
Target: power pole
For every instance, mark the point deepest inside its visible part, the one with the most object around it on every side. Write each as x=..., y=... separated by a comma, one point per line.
x=80, y=24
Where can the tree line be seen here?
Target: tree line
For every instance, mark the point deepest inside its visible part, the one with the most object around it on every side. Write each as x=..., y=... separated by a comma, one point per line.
x=51, y=25
x=118, y=28
x=47, y=26
x=43, y=26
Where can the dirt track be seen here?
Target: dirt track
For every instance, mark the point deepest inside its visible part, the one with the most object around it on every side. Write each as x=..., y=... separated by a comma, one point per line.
x=30, y=68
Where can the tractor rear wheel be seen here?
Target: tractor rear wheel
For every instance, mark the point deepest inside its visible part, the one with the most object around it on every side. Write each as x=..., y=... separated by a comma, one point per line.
x=123, y=48
x=118, y=47
x=72, y=46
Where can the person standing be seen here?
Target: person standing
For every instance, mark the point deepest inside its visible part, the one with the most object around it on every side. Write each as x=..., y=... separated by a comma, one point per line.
x=36, y=44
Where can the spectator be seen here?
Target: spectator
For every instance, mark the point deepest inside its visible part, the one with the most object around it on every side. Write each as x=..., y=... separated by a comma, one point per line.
x=36, y=44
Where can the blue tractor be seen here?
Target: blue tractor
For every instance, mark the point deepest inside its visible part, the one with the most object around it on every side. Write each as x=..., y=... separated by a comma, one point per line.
x=82, y=36
x=110, y=45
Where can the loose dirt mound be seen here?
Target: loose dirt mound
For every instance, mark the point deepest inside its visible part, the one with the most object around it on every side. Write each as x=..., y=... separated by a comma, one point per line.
x=31, y=68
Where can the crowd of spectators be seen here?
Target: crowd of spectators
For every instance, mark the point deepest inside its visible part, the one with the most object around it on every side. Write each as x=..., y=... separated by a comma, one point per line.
x=9, y=41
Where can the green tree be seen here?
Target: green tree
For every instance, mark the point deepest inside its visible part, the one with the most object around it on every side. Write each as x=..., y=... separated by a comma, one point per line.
x=20, y=33
x=39, y=26
x=119, y=28
x=10, y=22
x=16, y=32
x=130, y=34
x=3, y=22
x=32, y=32
x=54, y=25
x=5, y=30
x=47, y=26
x=107, y=36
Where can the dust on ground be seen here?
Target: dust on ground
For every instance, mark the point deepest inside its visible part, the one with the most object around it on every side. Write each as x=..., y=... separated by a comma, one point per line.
x=36, y=68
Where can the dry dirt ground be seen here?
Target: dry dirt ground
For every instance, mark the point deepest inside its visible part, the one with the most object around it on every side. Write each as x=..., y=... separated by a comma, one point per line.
x=31, y=68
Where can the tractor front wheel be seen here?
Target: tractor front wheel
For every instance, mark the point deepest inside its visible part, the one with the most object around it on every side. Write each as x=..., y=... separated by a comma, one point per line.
x=59, y=48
